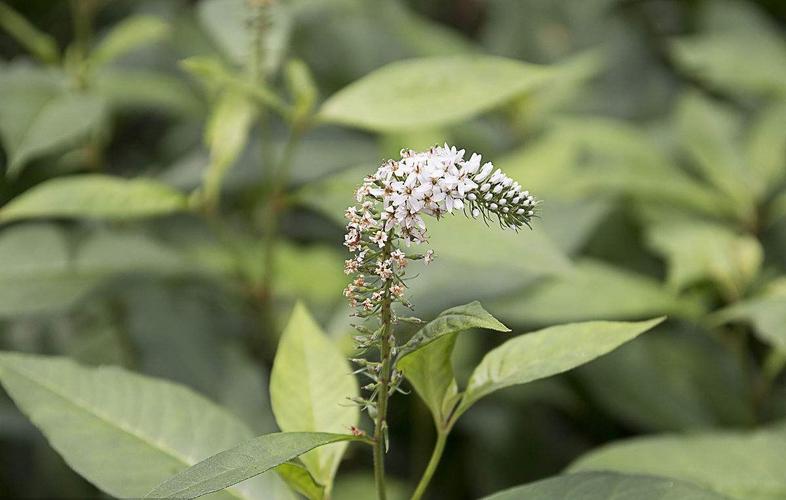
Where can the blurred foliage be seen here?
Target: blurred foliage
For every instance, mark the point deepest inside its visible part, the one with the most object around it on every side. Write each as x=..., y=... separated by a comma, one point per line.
x=163, y=209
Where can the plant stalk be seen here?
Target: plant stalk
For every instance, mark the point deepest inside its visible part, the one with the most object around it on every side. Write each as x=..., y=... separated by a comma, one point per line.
x=380, y=423
x=436, y=456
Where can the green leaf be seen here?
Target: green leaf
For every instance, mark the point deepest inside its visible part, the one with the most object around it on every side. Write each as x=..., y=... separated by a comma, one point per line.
x=767, y=145
x=124, y=432
x=767, y=313
x=39, y=274
x=453, y=320
x=94, y=196
x=591, y=290
x=134, y=89
x=309, y=386
x=547, y=352
x=37, y=42
x=126, y=36
x=58, y=124
x=607, y=486
x=226, y=136
x=710, y=135
x=243, y=462
x=430, y=92
x=742, y=465
x=425, y=358
x=738, y=62
x=698, y=251
x=299, y=479
x=228, y=22
x=674, y=381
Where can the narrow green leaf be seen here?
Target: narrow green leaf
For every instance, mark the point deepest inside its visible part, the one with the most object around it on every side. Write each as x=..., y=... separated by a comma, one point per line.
x=607, y=486
x=547, y=352
x=123, y=432
x=40, y=44
x=94, y=196
x=309, y=386
x=425, y=358
x=126, y=36
x=60, y=123
x=431, y=92
x=299, y=479
x=742, y=465
x=453, y=320
x=709, y=133
x=226, y=135
x=243, y=462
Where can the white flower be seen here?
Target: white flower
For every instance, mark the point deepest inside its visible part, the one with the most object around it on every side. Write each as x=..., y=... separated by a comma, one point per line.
x=380, y=237
x=428, y=258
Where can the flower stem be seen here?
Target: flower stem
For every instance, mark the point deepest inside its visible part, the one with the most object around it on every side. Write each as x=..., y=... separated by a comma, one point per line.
x=436, y=455
x=380, y=432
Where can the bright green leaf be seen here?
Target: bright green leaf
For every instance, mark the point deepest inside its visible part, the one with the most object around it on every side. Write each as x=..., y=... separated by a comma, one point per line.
x=299, y=479
x=123, y=432
x=606, y=486
x=226, y=135
x=309, y=386
x=94, y=196
x=767, y=145
x=425, y=358
x=742, y=465
x=243, y=462
x=547, y=352
x=431, y=92
x=127, y=36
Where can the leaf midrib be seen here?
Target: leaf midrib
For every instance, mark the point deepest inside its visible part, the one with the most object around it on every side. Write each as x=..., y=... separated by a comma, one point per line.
x=87, y=409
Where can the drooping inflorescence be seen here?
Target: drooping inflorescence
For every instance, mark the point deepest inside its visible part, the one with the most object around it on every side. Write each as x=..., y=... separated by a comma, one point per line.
x=390, y=209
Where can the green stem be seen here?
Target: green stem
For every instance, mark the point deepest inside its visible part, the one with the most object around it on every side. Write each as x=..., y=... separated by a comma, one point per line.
x=436, y=456
x=380, y=424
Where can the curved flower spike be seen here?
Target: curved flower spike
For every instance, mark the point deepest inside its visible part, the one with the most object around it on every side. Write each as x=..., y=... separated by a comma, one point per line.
x=393, y=201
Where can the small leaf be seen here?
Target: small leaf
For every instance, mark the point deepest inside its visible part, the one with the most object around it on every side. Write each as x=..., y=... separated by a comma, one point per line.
x=123, y=432
x=40, y=44
x=698, y=251
x=742, y=465
x=127, y=36
x=243, y=462
x=309, y=386
x=425, y=358
x=767, y=313
x=453, y=320
x=299, y=479
x=430, y=92
x=547, y=352
x=607, y=486
x=767, y=145
x=59, y=124
x=94, y=196
x=226, y=136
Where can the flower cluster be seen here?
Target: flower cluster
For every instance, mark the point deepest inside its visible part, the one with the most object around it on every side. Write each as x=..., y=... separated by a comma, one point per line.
x=391, y=204
x=390, y=208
